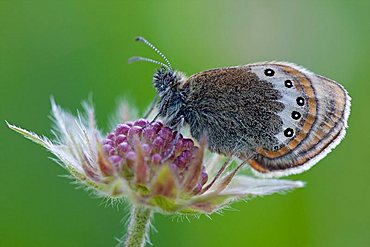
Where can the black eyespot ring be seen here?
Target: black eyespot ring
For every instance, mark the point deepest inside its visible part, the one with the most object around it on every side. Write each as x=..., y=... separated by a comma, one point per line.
x=296, y=115
x=288, y=83
x=288, y=132
x=275, y=148
x=269, y=72
x=300, y=101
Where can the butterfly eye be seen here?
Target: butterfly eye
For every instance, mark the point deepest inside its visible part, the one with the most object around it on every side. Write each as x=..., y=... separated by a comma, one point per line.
x=288, y=83
x=300, y=101
x=288, y=132
x=269, y=72
x=296, y=115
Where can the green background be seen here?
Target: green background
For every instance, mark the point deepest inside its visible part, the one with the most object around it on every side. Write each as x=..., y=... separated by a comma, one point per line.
x=70, y=49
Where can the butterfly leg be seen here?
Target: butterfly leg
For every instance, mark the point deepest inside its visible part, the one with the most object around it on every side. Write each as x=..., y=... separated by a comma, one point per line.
x=219, y=173
x=152, y=105
x=228, y=178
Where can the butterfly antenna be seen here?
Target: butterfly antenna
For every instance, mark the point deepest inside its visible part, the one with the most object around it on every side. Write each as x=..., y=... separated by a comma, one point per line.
x=135, y=59
x=141, y=39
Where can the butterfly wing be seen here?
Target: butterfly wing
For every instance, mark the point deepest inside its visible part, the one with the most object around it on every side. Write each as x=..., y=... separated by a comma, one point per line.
x=314, y=119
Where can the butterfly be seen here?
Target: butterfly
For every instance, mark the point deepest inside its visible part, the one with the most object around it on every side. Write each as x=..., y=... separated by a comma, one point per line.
x=278, y=117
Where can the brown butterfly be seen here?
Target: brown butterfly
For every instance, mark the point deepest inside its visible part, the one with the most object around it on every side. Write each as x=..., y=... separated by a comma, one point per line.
x=278, y=117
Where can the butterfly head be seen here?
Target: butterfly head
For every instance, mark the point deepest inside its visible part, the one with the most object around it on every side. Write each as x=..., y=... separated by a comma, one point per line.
x=165, y=78
x=168, y=84
x=165, y=81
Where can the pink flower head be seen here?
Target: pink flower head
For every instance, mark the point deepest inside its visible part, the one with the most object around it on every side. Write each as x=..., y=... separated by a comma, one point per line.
x=149, y=164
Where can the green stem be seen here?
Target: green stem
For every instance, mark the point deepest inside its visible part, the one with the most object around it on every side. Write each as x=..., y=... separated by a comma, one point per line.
x=138, y=228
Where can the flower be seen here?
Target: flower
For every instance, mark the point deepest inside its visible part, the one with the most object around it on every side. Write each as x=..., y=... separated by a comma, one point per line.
x=149, y=164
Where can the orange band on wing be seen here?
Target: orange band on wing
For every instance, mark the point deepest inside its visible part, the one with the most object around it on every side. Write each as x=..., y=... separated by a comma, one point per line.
x=305, y=86
x=312, y=154
x=257, y=166
x=323, y=134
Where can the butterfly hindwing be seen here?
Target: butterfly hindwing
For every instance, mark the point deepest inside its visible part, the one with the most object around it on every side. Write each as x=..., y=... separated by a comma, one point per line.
x=316, y=112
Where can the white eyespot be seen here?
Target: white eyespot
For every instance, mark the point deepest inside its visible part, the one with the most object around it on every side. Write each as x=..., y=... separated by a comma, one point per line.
x=296, y=115
x=269, y=72
x=300, y=101
x=288, y=132
x=288, y=83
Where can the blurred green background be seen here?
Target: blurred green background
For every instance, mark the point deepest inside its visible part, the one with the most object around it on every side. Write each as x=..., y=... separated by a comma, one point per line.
x=70, y=49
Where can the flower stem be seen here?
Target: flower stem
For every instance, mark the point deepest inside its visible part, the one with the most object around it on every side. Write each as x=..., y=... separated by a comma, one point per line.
x=139, y=226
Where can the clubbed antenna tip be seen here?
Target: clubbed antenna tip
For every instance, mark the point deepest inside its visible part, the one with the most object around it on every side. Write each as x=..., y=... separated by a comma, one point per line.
x=133, y=59
x=139, y=38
